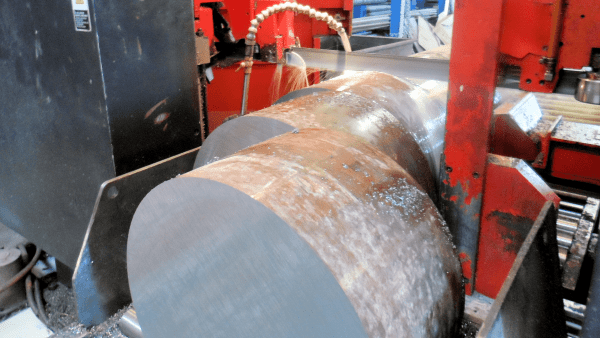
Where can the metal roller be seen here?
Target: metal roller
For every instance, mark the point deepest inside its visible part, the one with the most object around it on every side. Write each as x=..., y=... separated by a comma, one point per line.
x=312, y=233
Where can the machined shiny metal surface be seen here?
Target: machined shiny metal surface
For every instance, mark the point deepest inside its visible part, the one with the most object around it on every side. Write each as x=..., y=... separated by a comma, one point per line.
x=230, y=242
x=129, y=324
x=588, y=88
x=401, y=66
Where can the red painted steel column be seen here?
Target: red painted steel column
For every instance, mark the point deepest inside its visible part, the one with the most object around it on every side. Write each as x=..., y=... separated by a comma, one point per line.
x=473, y=74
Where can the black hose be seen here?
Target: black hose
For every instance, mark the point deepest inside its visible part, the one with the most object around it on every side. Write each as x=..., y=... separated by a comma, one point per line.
x=29, y=294
x=591, y=324
x=40, y=304
x=23, y=272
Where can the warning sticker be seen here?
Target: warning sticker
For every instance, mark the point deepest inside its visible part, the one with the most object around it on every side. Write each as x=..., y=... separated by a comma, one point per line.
x=81, y=15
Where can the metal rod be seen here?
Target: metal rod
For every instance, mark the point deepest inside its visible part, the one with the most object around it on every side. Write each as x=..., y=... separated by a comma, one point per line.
x=245, y=93
x=572, y=205
x=369, y=19
x=376, y=8
x=566, y=226
x=568, y=213
x=564, y=241
x=570, y=194
x=369, y=2
x=573, y=326
x=380, y=13
x=379, y=25
x=564, y=232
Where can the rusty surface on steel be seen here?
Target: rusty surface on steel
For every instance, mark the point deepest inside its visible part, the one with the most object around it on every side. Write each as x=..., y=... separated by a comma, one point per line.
x=371, y=224
x=579, y=247
x=403, y=119
x=473, y=76
x=514, y=196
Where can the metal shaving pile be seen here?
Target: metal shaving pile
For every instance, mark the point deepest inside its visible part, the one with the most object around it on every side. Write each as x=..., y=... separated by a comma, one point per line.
x=62, y=318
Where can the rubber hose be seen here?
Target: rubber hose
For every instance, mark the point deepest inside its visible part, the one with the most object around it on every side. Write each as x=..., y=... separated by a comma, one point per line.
x=29, y=293
x=40, y=304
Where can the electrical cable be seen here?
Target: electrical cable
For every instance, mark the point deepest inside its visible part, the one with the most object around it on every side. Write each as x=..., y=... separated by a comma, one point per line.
x=23, y=272
x=29, y=294
x=40, y=304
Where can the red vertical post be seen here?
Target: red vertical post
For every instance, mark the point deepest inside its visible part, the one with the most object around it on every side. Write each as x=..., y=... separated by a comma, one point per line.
x=473, y=76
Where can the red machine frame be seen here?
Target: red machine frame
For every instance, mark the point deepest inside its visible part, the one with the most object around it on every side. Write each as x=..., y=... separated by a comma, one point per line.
x=483, y=197
x=543, y=36
x=275, y=34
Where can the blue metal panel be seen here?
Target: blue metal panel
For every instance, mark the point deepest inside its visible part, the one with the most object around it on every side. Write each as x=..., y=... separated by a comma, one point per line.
x=441, y=5
x=395, y=19
x=360, y=11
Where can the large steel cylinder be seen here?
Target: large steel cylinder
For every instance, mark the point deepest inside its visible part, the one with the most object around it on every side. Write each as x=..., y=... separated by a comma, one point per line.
x=317, y=232
x=403, y=118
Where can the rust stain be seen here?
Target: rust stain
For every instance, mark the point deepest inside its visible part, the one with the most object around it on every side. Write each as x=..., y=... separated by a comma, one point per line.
x=353, y=204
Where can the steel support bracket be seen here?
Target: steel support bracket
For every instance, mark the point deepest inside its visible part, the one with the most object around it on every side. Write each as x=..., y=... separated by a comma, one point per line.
x=514, y=194
x=527, y=303
x=100, y=279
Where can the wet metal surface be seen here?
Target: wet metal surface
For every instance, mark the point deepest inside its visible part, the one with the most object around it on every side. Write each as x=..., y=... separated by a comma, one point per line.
x=330, y=188
x=403, y=119
x=365, y=218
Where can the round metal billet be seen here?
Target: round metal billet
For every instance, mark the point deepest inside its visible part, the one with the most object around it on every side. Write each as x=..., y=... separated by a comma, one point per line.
x=259, y=238
x=206, y=260
x=420, y=105
x=588, y=88
x=238, y=134
x=402, y=119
